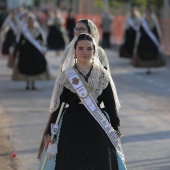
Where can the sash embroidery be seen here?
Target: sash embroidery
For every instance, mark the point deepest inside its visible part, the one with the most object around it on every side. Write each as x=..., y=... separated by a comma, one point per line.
x=88, y=101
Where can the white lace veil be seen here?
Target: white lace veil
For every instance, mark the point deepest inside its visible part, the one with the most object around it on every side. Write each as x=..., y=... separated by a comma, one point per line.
x=95, y=34
x=93, y=29
x=93, y=79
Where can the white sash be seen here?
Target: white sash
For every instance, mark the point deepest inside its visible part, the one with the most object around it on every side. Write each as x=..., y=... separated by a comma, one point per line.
x=13, y=27
x=88, y=101
x=31, y=39
x=21, y=25
x=151, y=35
x=132, y=24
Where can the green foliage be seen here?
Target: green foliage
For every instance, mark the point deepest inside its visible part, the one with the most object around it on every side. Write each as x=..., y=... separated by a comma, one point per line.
x=123, y=4
x=99, y=4
x=145, y=3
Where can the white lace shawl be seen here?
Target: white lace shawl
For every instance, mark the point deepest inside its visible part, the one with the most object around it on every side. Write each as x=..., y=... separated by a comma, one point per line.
x=96, y=84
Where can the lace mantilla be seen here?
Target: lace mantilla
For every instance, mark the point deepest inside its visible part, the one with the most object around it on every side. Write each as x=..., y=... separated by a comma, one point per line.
x=95, y=85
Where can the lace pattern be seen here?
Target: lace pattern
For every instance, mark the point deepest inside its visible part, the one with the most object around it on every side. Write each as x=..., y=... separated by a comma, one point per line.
x=57, y=91
x=97, y=82
x=98, y=78
x=94, y=31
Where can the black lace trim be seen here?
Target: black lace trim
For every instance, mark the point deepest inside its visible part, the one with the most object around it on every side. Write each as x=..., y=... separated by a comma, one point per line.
x=85, y=76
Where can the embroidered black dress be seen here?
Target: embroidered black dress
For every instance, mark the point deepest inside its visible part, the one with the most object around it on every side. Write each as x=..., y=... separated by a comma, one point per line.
x=147, y=50
x=126, y=49
x=31, y=60
x=55, y=38
x=83, y=144
x=148, y=54
x=8, y=41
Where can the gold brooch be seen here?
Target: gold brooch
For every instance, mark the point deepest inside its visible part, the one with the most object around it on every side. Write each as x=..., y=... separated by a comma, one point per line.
x=75, y=81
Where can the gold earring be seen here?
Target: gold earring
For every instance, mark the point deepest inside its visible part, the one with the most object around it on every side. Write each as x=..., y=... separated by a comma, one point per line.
x=75, y=61
x=92, y=60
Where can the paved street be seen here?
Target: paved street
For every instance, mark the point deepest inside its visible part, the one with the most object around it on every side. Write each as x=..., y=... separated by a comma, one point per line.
x=145, y=114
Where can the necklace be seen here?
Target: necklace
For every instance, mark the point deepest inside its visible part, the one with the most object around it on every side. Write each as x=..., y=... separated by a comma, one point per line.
x=85, y=76
x=85, y=71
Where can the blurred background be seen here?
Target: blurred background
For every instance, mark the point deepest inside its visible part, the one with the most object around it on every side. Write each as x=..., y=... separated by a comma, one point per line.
x=145, y=98
x=93, y=9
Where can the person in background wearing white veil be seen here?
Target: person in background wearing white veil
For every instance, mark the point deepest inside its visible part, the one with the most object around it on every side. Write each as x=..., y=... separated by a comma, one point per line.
x=87, y=26
x=148, y=52
x=30, y=64
x=82, y=143
x=8, y=35
x=131, y=28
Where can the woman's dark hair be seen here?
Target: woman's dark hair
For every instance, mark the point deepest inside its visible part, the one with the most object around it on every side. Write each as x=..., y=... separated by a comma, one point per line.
x=84, y=36
x=85, y=21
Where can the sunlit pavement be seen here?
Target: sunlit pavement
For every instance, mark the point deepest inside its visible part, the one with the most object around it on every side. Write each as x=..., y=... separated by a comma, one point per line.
x=145, y=117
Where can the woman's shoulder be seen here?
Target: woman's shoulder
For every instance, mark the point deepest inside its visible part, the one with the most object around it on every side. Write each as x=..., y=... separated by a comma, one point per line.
x=61, y=78
x=100, y=50
x=101, y=71
x=65, y=74
x=101, y=53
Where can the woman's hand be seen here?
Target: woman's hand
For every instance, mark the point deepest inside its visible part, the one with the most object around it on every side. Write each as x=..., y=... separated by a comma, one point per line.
x=47, y=140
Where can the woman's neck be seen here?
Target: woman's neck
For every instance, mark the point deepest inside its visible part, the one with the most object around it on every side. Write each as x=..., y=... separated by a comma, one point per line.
x=84, y=66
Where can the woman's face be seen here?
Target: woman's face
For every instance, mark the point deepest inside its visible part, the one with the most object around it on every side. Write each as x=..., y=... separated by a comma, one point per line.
x=84, y=51
x=80, y=28
x=30, y=22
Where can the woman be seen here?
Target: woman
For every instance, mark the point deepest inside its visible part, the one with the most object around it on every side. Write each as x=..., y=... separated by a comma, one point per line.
x=82, y=143
x=30, y=64
x=56, y=35
x=107, y=27
x=148, y=52
x=10, y=31
x=131, y=28
x=70, y=24
x=87, y=26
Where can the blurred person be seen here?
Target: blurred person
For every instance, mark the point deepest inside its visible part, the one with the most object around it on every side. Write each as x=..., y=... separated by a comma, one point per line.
x=131, y=28
x=56, y=38
x=3, y=16
x=70, y=24
x=87, y=26
x=8, y=34
x=148, y=52
x=106, y=25
x=30, y=63
x=42, y=17
x=82, y=142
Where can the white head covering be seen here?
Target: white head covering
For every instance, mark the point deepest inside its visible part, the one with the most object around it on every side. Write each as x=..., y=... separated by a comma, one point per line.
x=93, y=81
x=93, y=29
x=95, y=34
